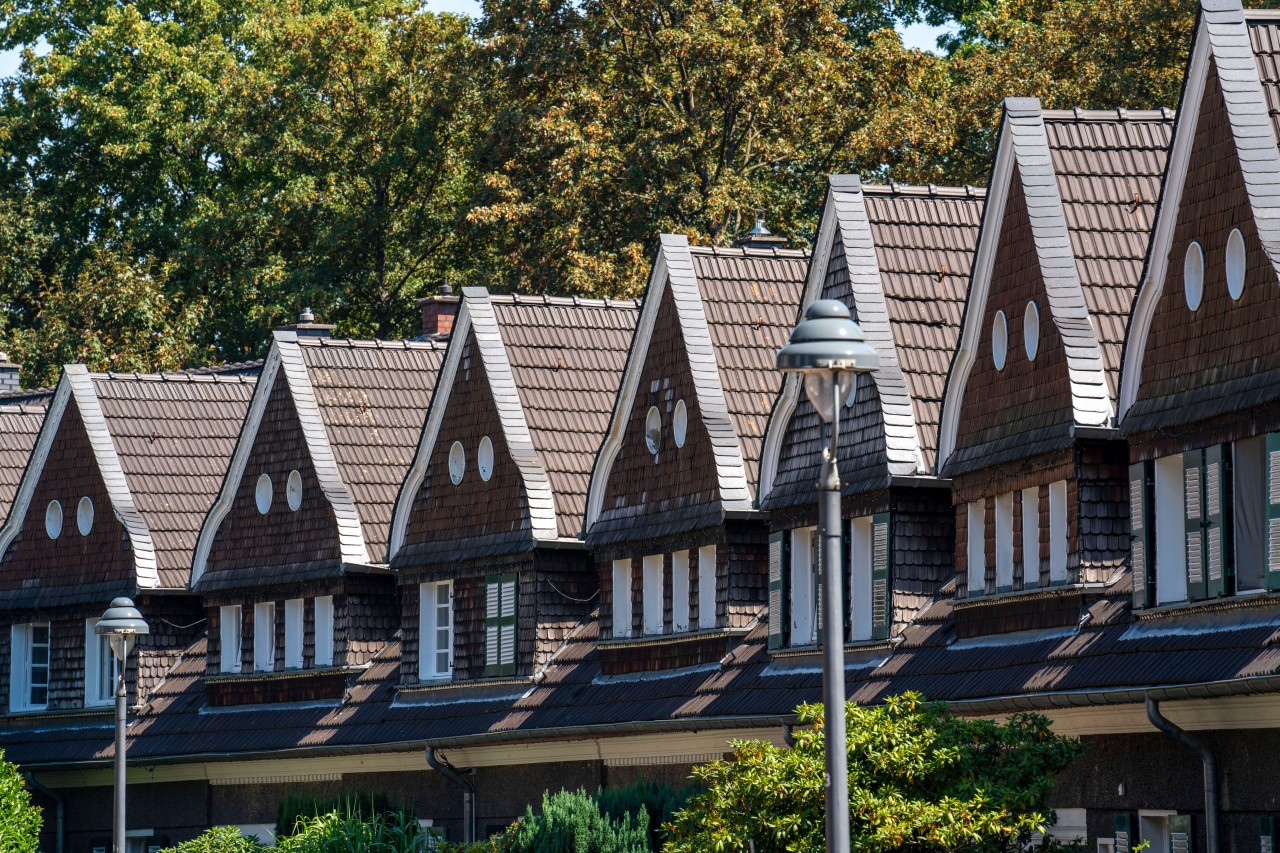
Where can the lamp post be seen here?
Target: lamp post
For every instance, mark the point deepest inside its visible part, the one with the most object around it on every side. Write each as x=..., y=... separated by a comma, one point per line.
x=121, y=625
x=827, y=348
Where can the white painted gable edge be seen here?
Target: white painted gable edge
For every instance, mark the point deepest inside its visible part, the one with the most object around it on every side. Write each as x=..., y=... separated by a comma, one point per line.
x=1221, y=32
x=475, y=313
x=1023, y=142
x=845, y=212
x=674, y=267
x=286, y=356
x=77, y=383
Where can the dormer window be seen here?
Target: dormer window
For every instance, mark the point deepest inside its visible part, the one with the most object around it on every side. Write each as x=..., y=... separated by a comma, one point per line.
x=435, y=630
x=1012, y=522
x=29, y=667
x=654, y=594
x=264, y=636
x=1193, y=275
x=500, y=613
x=100, y=667
x=1235, y=260
x=621, y=599
x=999, y=340
x=229, y=633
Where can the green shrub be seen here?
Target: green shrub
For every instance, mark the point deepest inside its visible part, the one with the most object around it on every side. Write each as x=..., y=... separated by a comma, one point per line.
x=220, y=839
x=659, y=800
x=295, y=807
x=20, y=820
x=573, y=822
x=345, y=831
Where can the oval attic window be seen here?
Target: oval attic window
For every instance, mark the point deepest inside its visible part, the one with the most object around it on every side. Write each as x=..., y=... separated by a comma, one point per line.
x=680, y=423
x=999, y=340
x=84, y=516
x=1031, y=330
x=53, y=519
x=457, y=462
x=1235, y=264
x=262, y=493
x=1193, y=275
x=484, y=458
x=293, y=490
x=653, y=430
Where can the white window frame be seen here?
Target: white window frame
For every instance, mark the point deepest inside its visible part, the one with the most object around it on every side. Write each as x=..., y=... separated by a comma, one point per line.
x=707, y=587
x=1170, y=523
x=323, y=631
x=22, y=666
x=231, y=634
x=679, y=592
x=976, y=547
x=1058, y=532
x=804, y=621
x=1004, y=542
x=622, y=598
x=294, y=615
x=264, y=636
x=654, y=595
x=1153, y=826
x=861, y=550
x=430, y=613
x=101, y=669
x=1030, y=537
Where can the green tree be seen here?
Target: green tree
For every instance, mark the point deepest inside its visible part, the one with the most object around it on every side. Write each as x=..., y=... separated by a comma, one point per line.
x=920, y=779
x=19, y=818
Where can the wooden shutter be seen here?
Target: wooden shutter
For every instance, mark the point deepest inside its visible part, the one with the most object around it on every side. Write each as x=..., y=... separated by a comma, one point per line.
x=500, y=625
x=779, y=569
x=1180, y=833
x=1214, y=514
x=1121, y=831
x=817, y=580
x=846, y=587
x=881, y=571
x=1141, y=533
x=1273, y=510
x=1193, y=504
x=1266, y=835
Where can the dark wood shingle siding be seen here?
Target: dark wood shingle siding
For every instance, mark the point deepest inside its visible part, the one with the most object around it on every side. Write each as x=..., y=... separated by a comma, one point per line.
x=1100, y=523
x=568, y=591
x=924, y=535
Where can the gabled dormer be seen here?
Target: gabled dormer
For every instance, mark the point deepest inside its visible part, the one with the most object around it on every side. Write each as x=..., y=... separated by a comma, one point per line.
x=670, y=513
x=899, y=257
x=1027, y=431
x=1200, y=395
x=110, y=504
x=485, y=540
x=292, y=558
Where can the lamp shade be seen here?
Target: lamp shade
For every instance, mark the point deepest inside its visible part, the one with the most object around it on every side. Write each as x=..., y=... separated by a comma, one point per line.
x=121, y=619
x=827, y=339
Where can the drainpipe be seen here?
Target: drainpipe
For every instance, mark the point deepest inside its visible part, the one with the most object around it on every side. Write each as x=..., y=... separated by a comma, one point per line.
x=1210, y=770
x=441, y=765
x=57, y=799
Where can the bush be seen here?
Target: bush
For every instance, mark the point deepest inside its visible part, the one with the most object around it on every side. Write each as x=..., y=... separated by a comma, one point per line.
x=20, y=820
x=332, y=832
x=220, y=839
x=575, y=823
x=658, y=799
x=296, y=807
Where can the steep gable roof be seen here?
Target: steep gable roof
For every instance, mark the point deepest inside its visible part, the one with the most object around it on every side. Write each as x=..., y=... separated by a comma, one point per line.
x=552, y=366
x=907, y=253
x=19, y=427
x=1235, y=54
x=1088, y=180
x=735, y=308
x=160, y=442
x=360, y=406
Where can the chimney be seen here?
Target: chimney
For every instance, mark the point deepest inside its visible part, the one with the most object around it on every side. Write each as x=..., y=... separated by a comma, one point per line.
x=759, y=237
x=307, y=327
x=438, y=311
x=10, y=374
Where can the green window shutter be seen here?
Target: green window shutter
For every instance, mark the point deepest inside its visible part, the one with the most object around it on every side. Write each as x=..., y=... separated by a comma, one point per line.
x=1141, y=535
x=1180, y=833
x=1120, y=829
x=817, y=580
x=881, y=576
x=1214, y=517
x=1193, y=504
x=1273, y=510
x=778, y=571
x=500, y=633
x=1266, y=834
x=846, y=588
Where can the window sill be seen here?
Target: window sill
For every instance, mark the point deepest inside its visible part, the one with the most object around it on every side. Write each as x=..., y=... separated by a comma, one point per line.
x=651, y=640
x=279, y=675
x=1239, y=601
x=805, y=653
x=472, y=689
x=1052, y=591
x=34, y=714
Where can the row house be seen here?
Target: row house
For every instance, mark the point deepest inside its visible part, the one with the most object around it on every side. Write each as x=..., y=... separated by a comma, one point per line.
x=670, y=515
x=899, y=258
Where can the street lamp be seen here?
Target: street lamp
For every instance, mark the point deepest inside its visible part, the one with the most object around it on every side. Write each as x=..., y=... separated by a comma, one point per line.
x=121, y=625
x=827, y=348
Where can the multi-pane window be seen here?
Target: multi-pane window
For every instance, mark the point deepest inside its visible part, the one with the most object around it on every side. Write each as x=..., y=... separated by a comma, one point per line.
x=707, y=587
x=621, y=598
x=1003, y=533
x=435, y=630
x=294, y=611
x=500, y=612
x=324, y=631
x=264, y=636
x=804, y=587
x=100, y=667
x=29, y=667
x=229, y=633
x=976, y=547
x=654, y=593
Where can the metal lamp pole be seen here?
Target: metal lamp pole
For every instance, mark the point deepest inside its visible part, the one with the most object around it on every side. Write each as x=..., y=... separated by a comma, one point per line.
x=121, y=625
x=827, y=348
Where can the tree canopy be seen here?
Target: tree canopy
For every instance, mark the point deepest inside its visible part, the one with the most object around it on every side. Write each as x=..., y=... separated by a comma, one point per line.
x=179, y=176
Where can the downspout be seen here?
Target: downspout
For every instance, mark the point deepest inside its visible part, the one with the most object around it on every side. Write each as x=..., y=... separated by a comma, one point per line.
x=1210, y=770
x=442, y=766
x=58, y=802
